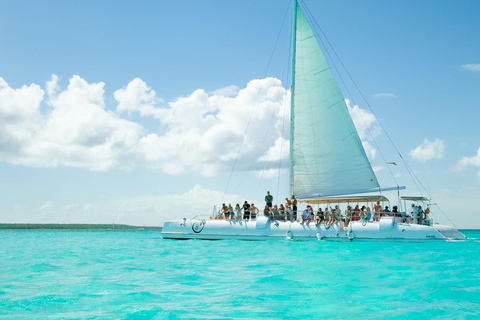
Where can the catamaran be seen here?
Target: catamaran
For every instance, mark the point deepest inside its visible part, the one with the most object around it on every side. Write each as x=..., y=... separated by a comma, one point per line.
x=328, y=165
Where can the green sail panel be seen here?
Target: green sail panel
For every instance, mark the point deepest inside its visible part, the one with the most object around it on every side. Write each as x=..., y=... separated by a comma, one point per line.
x=327, y=155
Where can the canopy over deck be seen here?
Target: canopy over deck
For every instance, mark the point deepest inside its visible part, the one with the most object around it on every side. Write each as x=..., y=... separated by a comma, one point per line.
x=411, y=198
x=351, y=199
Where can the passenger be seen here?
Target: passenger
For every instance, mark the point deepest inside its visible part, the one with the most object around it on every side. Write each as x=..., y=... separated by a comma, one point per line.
x=329, y=216
x=369, y=213
x=395, y=211
x=320, y=216
x=312, y=214
x=254, y=211
x=337, y=214
x=225, y=212
x=377, y=209
x=269, y=199
x=348, y=215
x=267, y=212
x=230, y=211
x=281, y=212
x=275, y=214
x=293, y=202
x=246, y=210
x=363, y=213
x=356, y=213
x=305, y=216
x=237, y=212
x=387, y=211
x=288, y=209
x=420, y=215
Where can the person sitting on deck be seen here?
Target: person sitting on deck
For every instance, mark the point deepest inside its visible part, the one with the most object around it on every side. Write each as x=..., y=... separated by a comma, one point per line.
x=267, y=212
x=337, y=214
x=275, y=213
x=281, y=212
x=363, y=213
x=329, y=216
x=348, y=215
x=368, y=213
x=305, y=216
x=254, y=211
x=387, y=211
x=320, y=216
x=356, y=213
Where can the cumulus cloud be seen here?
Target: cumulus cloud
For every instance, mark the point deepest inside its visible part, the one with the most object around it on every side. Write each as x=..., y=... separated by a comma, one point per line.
x=428, y=150
x=471, y=67
x=137, y=96
x=383, y=95
x=203, y=132
x=365, y=122
x=466, y=162
x=229, y=91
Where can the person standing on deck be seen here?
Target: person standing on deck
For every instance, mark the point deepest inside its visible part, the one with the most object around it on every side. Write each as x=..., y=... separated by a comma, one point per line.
x=246, y=210
x=377, y=209
x=288, y=212
x=269, y=199
x=293, y=202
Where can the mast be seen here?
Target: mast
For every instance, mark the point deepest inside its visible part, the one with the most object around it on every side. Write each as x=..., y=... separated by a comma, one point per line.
x=292, y=90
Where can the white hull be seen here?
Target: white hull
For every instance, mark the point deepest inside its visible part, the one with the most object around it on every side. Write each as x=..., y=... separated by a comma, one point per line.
x=264, y=229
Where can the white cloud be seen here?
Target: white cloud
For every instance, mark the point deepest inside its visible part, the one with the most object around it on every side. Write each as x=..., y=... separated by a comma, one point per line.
x=471, y=67
x=369, y=150
x=206, y=132
x=137, y=96
x=365, y=122
x=279, y=151
x=47, y=206
x=203, y=132
x=383, y=95
x=428, y=150
x=466, y=162
x=229, y=91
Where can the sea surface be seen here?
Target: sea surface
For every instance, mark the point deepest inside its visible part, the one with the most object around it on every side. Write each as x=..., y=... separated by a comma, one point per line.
x=138, y=275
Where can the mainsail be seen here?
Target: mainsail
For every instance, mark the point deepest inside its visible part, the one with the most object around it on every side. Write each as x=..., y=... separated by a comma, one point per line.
x=327, y=155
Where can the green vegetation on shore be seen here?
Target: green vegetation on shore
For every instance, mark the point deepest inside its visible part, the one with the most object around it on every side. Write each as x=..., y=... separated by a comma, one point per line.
x=59, y=226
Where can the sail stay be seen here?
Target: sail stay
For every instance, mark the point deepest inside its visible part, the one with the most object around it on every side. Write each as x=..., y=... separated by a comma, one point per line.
x=327, y=155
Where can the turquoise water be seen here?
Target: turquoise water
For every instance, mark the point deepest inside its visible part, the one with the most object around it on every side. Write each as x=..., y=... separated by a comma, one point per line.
x=137, y=275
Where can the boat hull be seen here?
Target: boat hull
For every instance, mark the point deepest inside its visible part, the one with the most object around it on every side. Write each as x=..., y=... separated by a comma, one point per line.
x=264, y=229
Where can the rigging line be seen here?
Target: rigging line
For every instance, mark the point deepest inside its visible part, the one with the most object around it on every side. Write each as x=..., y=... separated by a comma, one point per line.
x=414, y=177
x=263, y=143
x=346, y=88
x=255, y=105
x=285, y=104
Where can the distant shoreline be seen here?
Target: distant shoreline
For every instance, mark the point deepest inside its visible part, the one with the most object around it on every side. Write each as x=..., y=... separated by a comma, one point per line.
x=60, y=226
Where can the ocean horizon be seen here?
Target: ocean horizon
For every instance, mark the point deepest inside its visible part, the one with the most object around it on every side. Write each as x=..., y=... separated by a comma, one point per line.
x=135, y=274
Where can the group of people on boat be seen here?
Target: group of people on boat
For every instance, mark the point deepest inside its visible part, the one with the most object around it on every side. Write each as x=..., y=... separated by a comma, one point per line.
x=329, y=216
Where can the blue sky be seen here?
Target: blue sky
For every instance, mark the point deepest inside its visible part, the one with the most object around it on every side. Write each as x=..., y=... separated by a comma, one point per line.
x=100, y=102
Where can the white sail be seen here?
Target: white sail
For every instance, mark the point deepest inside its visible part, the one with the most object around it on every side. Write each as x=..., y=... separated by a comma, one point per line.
x=327, y=156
